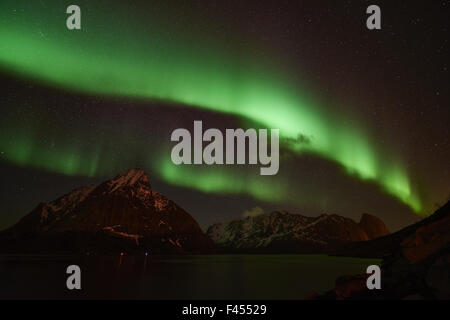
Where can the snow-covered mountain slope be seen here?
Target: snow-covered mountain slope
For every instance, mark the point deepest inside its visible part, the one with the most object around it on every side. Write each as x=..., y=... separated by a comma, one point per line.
x=284, y=231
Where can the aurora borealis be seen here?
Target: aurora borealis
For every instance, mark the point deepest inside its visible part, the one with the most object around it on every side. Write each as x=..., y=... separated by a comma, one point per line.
x=160, y=56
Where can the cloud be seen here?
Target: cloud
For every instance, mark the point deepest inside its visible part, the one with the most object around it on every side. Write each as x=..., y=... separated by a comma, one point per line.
x=253, y=212
x=300, y=140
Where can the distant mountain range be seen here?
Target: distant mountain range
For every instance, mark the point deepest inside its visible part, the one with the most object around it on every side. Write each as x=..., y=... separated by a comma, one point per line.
x=281, y=231
x=121, y=214
x=125, y=215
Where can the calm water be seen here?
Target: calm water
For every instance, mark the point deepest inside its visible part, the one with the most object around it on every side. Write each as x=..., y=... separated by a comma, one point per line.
x=175, y=277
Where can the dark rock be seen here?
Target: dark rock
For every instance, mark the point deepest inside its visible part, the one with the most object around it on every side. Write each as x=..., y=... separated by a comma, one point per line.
x=350, y=285
x=373, y=226
x=416, y=263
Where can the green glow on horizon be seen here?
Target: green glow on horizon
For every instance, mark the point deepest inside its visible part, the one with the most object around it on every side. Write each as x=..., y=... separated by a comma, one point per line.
x=119, y=61
x=222, y=181
x=23, y=151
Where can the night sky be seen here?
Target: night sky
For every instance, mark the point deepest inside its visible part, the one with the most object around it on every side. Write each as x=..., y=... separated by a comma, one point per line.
x=363, y=115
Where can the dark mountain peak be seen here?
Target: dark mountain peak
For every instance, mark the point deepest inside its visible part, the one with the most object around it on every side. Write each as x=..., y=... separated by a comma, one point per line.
x=121, y=214
x=132, y=184
x=373, y=226
x=131, y=177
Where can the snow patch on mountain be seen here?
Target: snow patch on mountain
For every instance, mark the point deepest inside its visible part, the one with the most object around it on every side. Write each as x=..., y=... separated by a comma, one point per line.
x=112, y=229
x=160, y=203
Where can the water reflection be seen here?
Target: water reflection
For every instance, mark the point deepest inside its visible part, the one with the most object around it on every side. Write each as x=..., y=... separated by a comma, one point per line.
x=175, y=277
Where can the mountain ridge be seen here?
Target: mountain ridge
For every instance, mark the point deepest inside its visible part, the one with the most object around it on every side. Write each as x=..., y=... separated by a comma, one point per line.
x=120, y=214
x=281, y=231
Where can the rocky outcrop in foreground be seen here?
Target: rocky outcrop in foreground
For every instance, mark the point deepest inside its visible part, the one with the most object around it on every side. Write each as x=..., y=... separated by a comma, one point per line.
x=416, y=263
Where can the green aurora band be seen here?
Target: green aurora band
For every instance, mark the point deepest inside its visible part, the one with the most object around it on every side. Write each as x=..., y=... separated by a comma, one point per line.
x=113, y=57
